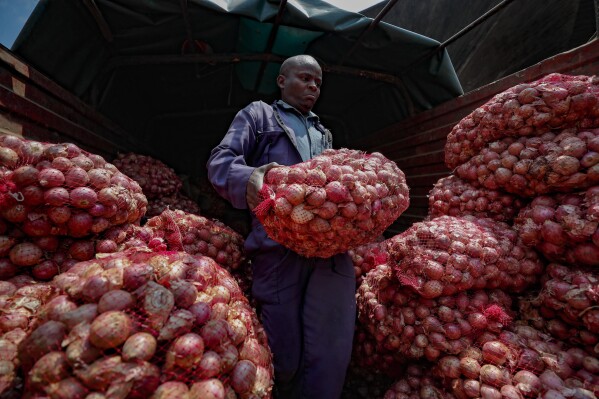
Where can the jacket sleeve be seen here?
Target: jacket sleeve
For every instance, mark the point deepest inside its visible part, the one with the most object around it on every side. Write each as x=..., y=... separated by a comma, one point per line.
x=228, y=169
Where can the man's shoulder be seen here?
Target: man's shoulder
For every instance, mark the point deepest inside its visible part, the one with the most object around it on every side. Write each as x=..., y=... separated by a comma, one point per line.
x=259, y=110
x=259, y=105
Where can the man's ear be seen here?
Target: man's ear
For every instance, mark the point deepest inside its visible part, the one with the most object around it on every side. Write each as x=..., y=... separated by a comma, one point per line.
x=281, y=81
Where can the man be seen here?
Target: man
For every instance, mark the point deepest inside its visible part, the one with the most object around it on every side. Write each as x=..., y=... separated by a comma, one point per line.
x=307, y=305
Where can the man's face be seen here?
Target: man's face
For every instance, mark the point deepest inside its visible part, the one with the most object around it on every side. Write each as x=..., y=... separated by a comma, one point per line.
x=300, y=86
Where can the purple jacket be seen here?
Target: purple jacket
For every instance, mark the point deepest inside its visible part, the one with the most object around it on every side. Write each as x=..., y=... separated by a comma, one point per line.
x=257, y=136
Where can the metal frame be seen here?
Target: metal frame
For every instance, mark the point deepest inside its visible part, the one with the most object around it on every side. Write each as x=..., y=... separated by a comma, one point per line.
x=458, y=35
x=270, y=43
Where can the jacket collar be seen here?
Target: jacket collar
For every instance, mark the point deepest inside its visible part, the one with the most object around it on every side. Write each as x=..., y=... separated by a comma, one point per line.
x=286, y=106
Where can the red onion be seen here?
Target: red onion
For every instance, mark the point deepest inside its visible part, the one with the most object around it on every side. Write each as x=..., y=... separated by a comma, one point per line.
x=110, y=329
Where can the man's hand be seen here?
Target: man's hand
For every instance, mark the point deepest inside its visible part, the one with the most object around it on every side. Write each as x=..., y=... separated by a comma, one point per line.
x=255, y=184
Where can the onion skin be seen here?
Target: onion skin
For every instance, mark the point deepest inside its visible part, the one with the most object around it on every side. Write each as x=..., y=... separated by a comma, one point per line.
x=115, y=300
x=25, y=254
x=139, y=346
x=46, y=338
x=50, y=368
x=69, y=388
x=243, y=376
x=185, y=351
x=208, y=389
x=495, y=352
x=527, y=383
x=110, y=329
x=171, y=390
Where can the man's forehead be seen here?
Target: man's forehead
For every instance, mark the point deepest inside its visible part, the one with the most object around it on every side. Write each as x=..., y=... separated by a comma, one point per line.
x=306, y=68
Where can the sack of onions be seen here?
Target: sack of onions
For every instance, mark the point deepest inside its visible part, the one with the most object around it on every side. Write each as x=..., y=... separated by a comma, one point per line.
x=338, y=200
x=449, y=254
x=406, y=323
x=19, y=308
x=563, y=227
x=366, y=257
x=562, y=161
x=567, y=306
x=366, y=356
x=418, y=383
x=141, y=325
x=453, y=196
x=521, y=363
x=546, y=320
x=176, y=201
x=198, y=235
x=128, y=236
x=553, y=102
x=154, y=176
x=42, y=257
x=60, y=189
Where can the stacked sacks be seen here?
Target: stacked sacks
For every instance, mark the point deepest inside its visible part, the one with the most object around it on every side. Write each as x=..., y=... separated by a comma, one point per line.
x=159, y=183
x=154, y=176
x=399, y=324
x=338, y=200
x=367, y=256
x=539, y=141
x=55, y=200
x=198, y=235
x=446, y=286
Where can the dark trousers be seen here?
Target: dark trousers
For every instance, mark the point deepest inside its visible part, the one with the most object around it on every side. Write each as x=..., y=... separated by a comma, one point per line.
x=307, y=307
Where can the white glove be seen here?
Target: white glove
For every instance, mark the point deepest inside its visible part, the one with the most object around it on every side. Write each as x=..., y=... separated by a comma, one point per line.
x=255, y=184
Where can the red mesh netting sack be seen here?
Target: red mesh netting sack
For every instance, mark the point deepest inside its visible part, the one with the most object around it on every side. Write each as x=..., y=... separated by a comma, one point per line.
x=520, y=362
x=529, y=109
x=404, y=324
x=20, y=304
x=198, y=235
x=563, y=227
x=60, y=189
x=177, y=230
x=453, y=196
x=558, y=161
x=141, y=325
x=367, y=256
x=338, y=200
x=451, y=254
x=567, y=307
x=155, y=177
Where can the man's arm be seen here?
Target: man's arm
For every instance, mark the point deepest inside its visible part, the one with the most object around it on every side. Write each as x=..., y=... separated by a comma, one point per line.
x=227, y=166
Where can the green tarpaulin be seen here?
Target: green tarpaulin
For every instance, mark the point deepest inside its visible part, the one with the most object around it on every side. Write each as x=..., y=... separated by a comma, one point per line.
x=174, y=72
